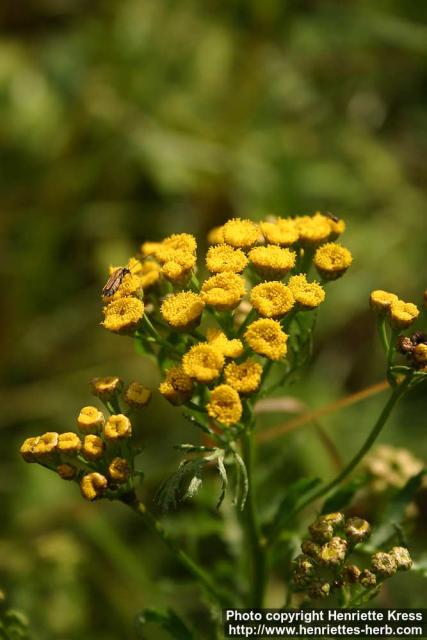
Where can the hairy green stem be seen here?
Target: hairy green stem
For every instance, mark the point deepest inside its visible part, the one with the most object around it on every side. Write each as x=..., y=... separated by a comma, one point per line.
x=192, y=567
x=257, y=548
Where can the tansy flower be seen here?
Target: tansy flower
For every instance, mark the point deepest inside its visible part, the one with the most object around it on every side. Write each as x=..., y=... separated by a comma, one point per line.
x=308, y=295
x=150, y=248
x=337, y=227
x=117, y=427
x=284, y=231
x=181, y=242
x=272, y=261
x=203, y=362
x=216, y=235
x=45, y=445
x=105, y=388
x=148, y=272
x=137, y=396
x=402, y=314
x=272, y=299
x=129, y=286
x=66, y=471
x=223, y=291
x=228, y=348
x=119, y=470
x=177, y=388
x=90, y=420
x=245, y=377
x=123, y=315
x=266, y=337
x=223, y=258
x=332, y=260
x=27, y=447
x=313, y=230
x=225, y=405
x=382, y=300
x=93, y=485
x=93, y=447
x=240, y=233
x=179, y=267
x=69, y=443
x=420, y=353
x=183, y=310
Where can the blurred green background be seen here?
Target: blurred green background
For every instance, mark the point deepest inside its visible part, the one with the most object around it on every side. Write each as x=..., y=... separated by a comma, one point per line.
x=122, y=121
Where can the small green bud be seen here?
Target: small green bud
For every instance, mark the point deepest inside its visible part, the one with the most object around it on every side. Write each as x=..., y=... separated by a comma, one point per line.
x=335, y=519
x=333, y=552
x=368, y=579
x=321, y=531
x=402, y=558
x=383, y=564
x=311, y=549
x=357, y=530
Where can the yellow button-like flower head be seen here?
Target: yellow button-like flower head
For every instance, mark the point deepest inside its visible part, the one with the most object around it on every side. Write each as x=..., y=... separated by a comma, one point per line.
x=420, y=353
x=93, y=447
x=203, y=363
x=244, y=377
x=69, y=443
x=27, y=448
x=225, y=405
x=93, y=486
x=90, y=420
x=402, y=314
x=123, y=315
x=117, y=427
x=148, y=272
x=179, y=267
x=229, y=348
x=223, y=291
x=240, y=233
x=46, y=445
x=272, y=299
x=105, y=388
x=313, y=230
x=223, y=258
x=216, y=235
x=272, y=261
x=177, y=387
x=332, y=260
x=137, y=396
x=183, y=310
x=66, y=471
x=308, y=295
x=119, y=470
x=337, y=227
x=284, y=231
x=266, y=337
x=381, y=301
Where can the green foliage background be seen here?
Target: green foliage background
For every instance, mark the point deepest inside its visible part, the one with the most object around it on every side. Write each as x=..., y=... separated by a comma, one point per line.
x=128, y=120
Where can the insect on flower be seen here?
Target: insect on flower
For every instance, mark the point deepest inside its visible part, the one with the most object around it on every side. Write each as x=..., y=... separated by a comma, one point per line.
x=332, y=217
x=114, y=281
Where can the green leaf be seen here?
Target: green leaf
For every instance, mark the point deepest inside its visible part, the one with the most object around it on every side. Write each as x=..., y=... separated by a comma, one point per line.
x=224, y=480
x=395, y=510
x=289, y=502
x=167, y=620
x=344, y=495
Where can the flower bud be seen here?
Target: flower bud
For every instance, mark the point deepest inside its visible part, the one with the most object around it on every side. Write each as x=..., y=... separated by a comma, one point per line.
x=69, y=443
x=383, y=564
x=333, y=552
x=381, y=301
x=106, y=388
x=117, y=427
x=137, y=396
x=357, y=530
x=93, y=485
x=402, y=558
x=319, y=590
x=46, y=445
x=93, y=447
x=27, y=449
x=335, y=519
x=90, y=420
x=311, y=549
x=351, y=574
x=368, y=579
x=66, y=471
x=321, y=531
x=119, y=470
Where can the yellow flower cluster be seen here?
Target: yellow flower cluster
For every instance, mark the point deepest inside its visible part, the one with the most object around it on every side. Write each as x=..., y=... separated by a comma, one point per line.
x=400, y=314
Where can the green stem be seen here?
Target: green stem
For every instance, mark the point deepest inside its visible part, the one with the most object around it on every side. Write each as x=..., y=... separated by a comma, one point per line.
x=256, y=543
x=397, y=393
x=159, y=339
x=382, y=331
x=192, y=567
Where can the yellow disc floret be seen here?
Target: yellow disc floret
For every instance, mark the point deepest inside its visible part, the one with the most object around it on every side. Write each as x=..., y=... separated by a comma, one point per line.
x=137, y=396
x=46, y=445
x=332, y=260
x=381, y=301
x=93, y=485
x=244, y=377
x=225, y=405
x=402, y=314
x=266, y=337
x=90, y=420
x=177, y=387
x=229, y=348
x=93, y=447
x=69, y=443
x=308, y=295
x=183, y=310
x=27, y=448
x=117, y=427
x=284, y=231
x=178, y=268
x=203, y=363
x=223, y=291
x=107, y=387
x=223, y=258
x=240, y=233
x=123, y=315
x=272, y=299
x=313, y=230
x=272, y=261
